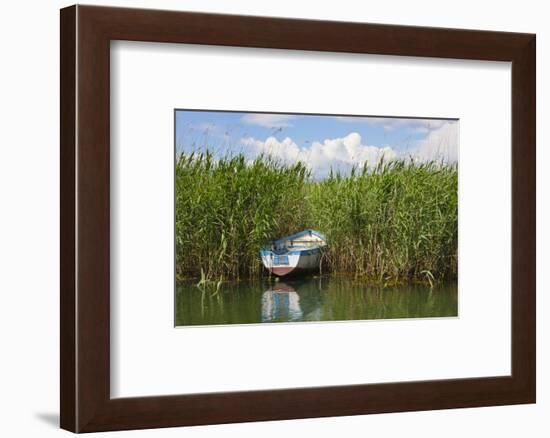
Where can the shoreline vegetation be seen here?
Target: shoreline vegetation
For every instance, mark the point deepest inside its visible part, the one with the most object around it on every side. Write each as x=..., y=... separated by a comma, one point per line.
x=394, y=224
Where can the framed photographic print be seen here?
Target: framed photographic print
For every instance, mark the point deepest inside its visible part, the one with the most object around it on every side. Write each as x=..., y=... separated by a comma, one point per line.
x=266, y=218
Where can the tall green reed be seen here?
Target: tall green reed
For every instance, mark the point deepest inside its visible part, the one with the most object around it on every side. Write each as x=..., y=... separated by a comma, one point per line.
x=226, y=209
x=397, y=223
x=394, y=224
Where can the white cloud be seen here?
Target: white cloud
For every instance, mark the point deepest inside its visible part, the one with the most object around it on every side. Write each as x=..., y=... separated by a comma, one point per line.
x=338, y=154
x=285, y=150
x=440, y=144
x=341, y=154
x=390, y=124
x=268, y=120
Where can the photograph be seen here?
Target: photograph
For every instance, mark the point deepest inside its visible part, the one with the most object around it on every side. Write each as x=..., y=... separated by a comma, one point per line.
x=283, y=217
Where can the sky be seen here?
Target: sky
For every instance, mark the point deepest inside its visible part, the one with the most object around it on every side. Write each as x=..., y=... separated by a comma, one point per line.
x=322, y=142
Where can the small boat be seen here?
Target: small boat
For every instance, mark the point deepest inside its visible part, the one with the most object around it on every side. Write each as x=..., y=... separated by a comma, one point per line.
x=294, y=254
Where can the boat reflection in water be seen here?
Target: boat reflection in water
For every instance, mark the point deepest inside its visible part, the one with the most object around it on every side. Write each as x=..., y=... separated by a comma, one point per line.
x=281, y=302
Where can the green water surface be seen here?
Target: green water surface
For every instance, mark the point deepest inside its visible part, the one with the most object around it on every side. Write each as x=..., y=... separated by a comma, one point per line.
x=309, y=299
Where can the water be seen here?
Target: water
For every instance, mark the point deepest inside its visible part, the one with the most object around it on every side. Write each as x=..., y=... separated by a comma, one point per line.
x=311, y=299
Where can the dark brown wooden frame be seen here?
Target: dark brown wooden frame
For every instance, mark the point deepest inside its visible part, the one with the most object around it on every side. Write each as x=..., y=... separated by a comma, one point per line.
x=86, y=33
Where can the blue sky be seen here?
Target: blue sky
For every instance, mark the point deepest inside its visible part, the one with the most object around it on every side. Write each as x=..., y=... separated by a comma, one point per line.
x=322, y=142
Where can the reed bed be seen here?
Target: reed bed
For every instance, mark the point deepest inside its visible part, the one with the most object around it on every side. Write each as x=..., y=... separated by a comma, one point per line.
x=397, y=223
x=226, y=209
x=393, y=224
